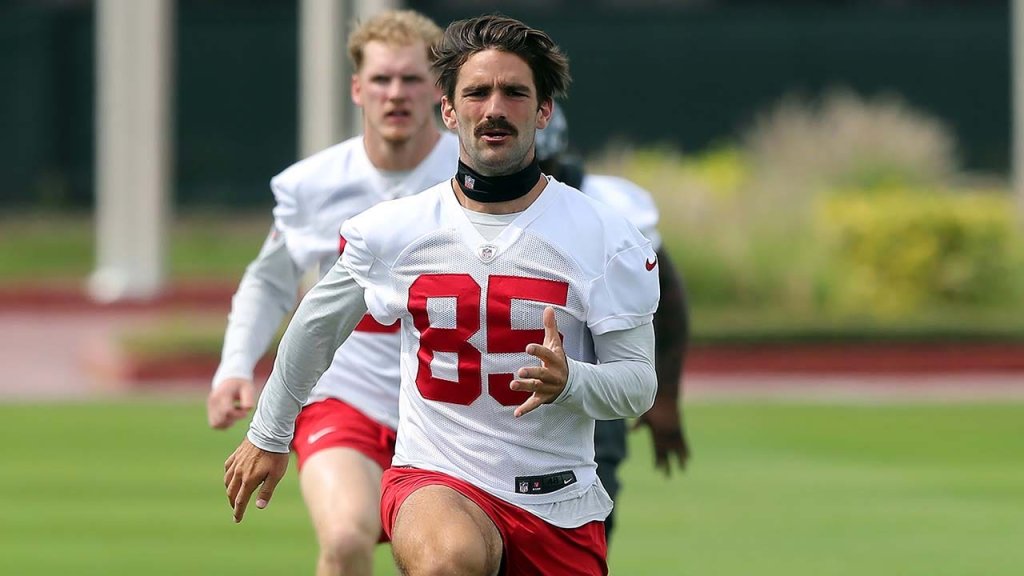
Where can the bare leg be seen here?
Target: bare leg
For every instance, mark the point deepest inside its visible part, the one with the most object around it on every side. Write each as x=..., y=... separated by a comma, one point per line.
x=439, y=531
x=342, y=492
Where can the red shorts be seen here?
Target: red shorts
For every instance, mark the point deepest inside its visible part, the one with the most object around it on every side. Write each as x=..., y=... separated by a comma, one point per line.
x=532, y=547
x=332, y=423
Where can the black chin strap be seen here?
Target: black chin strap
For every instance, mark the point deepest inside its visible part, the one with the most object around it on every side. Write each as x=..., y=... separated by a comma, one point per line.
x=497, y=188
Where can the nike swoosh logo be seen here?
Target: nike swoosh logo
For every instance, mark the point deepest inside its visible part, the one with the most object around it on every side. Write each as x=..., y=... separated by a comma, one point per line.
x=650, y=265
x=319, y=434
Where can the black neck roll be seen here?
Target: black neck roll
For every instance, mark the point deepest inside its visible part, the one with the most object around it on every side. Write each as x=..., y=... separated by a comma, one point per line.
x=497, y=188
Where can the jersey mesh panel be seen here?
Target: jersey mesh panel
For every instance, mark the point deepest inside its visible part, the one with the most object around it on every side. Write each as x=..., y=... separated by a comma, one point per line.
x=483, y=442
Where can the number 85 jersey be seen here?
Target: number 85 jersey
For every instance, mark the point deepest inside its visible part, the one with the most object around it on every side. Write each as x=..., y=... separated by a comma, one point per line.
x=468, y=308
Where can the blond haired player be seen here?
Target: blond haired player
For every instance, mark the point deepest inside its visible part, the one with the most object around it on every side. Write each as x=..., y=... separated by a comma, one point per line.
x=345, y=433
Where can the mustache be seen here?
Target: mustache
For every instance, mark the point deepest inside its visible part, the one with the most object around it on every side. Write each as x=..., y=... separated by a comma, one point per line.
x=495, y=124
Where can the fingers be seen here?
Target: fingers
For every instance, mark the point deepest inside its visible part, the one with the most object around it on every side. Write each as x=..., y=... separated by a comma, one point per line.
x=682, y=456
x=526, y=385
x=233, y=483
x=546, y=355
x=230, y=401
x=266, y=482
x=220, y=407
x=267, y=491
x=665, y=450
x=225, y=419
x=661, y=463
x=683, y=452
x=242, y=497
x=551, y=334
x=216, y=411
x=546, y=381
x=246, y=397
x=531, y=404
x=250, y=468
x=542, y=373
x=542, y=393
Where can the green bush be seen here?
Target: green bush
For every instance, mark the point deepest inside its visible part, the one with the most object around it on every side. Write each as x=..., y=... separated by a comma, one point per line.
x=894, y=252
x=757, y=224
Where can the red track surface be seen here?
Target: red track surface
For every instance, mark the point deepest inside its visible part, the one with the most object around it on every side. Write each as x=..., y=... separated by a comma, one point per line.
x=54, y=339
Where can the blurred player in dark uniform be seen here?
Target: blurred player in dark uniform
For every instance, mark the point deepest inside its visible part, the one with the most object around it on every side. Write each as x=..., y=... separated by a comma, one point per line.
x=671, y=321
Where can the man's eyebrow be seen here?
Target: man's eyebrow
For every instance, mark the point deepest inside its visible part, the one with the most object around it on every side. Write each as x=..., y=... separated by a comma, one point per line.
x=514, y=86
x=475, y=87
x=501, y=86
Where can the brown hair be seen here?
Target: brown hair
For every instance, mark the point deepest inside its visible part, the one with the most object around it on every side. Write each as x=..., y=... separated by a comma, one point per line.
x=395, y=28
x=464, y=38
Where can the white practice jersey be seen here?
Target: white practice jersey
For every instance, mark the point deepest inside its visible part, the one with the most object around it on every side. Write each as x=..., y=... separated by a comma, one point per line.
x=314, y=196
x=468, y=308
x=628, y=199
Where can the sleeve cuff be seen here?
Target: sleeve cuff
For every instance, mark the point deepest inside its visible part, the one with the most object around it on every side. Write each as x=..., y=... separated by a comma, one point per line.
x=224, y=372
x=265, y=445
x=571, y=384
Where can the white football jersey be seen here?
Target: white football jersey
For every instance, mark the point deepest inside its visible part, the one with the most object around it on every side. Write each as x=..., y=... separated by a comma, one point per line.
x=314, y=196
x=468, y=308
x=628, y=199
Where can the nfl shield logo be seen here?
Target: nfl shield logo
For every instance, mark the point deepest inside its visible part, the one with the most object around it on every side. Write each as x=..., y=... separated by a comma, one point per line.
x=487, y=252
x=524, y=487
x=470, y=182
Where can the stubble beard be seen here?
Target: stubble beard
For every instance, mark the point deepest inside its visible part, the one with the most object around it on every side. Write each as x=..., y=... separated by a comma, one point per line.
x=501, y=162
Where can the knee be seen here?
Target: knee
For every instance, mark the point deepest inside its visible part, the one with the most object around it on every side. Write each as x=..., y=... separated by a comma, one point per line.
x=345, y=545
x=443, y=554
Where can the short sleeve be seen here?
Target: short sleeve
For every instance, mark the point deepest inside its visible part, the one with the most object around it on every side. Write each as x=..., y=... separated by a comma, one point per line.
x=369, y=272
x=629, y=200
x=627, y=294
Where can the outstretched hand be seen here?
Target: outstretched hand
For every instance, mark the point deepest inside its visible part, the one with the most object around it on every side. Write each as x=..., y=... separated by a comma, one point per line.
x=667, y=435
x=250, y=467
x=546, y=381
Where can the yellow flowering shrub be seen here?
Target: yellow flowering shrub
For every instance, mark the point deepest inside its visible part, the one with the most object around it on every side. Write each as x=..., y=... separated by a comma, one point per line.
x=893, y=252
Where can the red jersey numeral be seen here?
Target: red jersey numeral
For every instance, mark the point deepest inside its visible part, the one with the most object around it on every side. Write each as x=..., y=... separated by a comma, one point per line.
x=466, y=292
x=501, y=336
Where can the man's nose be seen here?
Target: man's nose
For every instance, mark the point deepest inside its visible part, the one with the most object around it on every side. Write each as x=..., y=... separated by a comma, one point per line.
x=496, y=107
x=396, y=89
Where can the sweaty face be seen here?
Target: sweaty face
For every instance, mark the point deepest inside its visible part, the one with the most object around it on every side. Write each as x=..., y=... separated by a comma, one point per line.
x=396, y=91
x=495, y=112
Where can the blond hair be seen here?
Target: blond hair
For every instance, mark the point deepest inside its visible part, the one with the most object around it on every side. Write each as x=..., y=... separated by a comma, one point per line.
x=395, y=28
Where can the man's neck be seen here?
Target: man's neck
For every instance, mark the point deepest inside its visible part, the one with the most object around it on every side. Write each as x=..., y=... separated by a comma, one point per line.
x=400, y=156
x=510, y=207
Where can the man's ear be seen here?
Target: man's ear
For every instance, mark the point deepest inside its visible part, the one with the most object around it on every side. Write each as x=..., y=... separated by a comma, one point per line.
x=356, y=90
x=448, y=114
x=544, y=113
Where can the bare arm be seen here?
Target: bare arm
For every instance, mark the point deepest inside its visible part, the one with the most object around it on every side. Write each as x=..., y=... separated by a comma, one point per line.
x=671, y=327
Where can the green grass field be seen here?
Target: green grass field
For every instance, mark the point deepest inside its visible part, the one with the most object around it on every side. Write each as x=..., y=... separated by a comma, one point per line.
x=774, y=489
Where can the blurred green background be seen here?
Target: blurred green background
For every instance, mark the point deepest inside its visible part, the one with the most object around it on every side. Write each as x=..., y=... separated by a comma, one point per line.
x=835, y=168
x=774, y=489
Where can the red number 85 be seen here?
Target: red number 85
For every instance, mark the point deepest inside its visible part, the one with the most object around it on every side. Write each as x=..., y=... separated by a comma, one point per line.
x=501, y=337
